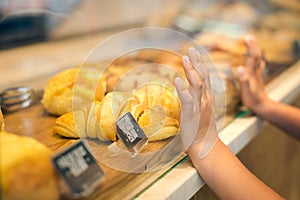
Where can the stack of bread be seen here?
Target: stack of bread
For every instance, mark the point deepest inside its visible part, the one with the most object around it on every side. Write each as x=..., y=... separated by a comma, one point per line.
x=227, y=53
x=155, y=107
x=126, y=85
x=144, y=78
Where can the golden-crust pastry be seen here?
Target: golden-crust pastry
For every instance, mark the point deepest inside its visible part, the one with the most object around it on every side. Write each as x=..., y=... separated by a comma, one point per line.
x=61, y=93
x=158, y=110
x=137, y=68
x=223, y=50
x=276, y=44
x=155, y=107
x=112, y=75
x=2, y=124
x=221, y=42
x=291, y=5
x=108, y=113
x=221, y=58
x=227, y=53
x=26, y=169
x=95, y=121
x=65, y=125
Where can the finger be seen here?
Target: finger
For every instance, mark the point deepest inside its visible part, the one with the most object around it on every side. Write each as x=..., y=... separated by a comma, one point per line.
x=189, y=115
x=196, y=61
x=199, y=65
x=186, y=99
x=192, y=76
x=254, y=56
x=255, y=62
x=262, y=66
x=243, y=78
x=263, y=62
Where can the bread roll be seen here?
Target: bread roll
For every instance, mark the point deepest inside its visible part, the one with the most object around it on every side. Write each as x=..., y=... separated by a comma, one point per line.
x=26, y=169
x=222, y=42
x=59, y=94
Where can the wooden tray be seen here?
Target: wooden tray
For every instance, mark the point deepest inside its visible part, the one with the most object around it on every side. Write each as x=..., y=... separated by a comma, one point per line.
x=35, y=122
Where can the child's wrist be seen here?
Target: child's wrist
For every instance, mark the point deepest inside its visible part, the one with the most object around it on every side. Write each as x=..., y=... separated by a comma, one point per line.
x=194, y=150
x=263, y=109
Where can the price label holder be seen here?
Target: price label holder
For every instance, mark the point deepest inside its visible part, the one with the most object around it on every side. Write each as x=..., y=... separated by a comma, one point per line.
x=131, y=134
x=79, y=169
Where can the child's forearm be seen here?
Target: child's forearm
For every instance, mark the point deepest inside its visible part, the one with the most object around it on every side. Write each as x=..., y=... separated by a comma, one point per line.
x=227, y=176
x=283, y=116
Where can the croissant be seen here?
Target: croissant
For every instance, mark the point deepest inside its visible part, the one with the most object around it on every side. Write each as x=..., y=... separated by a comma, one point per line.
x=26, y=169
x=59, y=93
x=95, y=121
x=155, y=107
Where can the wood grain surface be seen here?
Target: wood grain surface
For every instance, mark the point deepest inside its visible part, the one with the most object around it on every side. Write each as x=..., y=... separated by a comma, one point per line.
x=35, y=122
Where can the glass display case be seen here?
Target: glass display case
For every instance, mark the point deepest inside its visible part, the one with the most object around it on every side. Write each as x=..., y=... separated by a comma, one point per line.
x=40, y=39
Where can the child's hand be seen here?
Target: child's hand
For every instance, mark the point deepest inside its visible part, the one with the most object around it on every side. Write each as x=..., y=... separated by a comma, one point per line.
x=250, y=78
x=197, y=127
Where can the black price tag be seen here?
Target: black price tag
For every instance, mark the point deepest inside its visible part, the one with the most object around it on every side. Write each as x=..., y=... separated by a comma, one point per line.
x=79, y=169
x=131, y=134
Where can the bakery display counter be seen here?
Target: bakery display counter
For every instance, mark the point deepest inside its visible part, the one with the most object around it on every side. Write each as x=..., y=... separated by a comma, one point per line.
x=180, y=180
x=34, y=65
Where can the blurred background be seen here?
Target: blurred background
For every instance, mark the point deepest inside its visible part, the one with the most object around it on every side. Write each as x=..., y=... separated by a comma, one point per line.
x=27, y=21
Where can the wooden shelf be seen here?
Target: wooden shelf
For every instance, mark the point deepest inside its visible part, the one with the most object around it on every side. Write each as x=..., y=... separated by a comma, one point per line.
x=183, y=181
